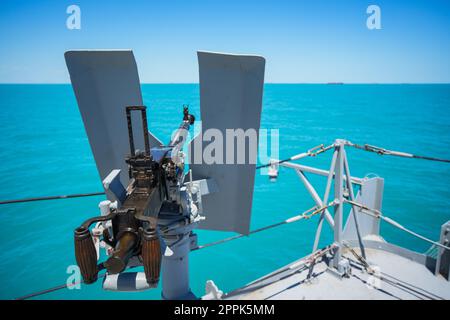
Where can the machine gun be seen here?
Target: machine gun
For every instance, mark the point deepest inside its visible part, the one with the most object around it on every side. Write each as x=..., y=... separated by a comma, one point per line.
x=128, y=227
x=151, y=221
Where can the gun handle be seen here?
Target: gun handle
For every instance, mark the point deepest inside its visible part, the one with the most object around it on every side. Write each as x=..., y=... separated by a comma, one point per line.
x=151, y=256
x=86, y=255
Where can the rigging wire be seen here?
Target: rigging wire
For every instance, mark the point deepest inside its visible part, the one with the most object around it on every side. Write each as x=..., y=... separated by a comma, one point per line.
x=77, y=195
x=410, y=289
x=382, y=151
x=305, y=215
x=285, y=272
x=63, y=286
x=377, y=273
x=377, y=214
x=310, y=153
x=365, y=147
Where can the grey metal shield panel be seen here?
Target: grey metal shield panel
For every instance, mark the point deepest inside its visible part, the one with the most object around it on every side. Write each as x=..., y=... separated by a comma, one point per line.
x=370, y=195
x=231, y=90
x=105, y=82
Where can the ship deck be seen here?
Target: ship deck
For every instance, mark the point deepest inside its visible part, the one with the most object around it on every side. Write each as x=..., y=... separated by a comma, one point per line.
x=396, y=274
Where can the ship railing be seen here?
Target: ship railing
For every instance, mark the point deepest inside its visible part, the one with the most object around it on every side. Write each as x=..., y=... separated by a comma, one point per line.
x=367, y=202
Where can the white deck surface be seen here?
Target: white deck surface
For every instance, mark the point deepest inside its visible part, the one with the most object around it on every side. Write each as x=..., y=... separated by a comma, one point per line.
x=398, y=278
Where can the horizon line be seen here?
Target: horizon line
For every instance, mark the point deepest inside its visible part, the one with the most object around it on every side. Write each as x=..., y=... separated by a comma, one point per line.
x=144, y=83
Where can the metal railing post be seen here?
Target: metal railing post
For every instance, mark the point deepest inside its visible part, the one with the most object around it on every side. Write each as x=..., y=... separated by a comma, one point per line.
x=339, y=202
x=352, y=197
x=325, y=200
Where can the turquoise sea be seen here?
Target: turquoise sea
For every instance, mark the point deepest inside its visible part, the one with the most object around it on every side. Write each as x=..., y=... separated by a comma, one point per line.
x=44, y=151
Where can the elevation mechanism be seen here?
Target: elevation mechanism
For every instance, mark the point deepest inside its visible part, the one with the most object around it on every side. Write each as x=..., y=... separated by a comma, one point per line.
x=153, y=206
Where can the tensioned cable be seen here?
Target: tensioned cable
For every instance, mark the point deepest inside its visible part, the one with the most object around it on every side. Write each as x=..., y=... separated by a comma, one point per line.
x=382, y=151
x=285, y=272
x=410, y=287
x=305, y=215
x=365, y=147
x=310, y=153
x=63, y=286
x=78, y=195
x=377, y=214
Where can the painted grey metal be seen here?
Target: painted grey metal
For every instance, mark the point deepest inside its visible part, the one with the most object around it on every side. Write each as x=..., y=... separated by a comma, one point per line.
x=338, y=208
x=176, y=246
x=231, y=89
x=330, y=177
x=175, y=272
x=380, y=244
x=105, y=82
x=206, y=186
x=393, y=271
x=113, y=187
x=370, y=195
x=314, y=170
x=443, y=257
x=325, y=200
x=351, y=194
x=315, y=196
x=394, y=277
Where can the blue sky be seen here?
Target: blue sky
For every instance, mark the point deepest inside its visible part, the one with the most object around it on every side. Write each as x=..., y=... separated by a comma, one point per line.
x=302, y=41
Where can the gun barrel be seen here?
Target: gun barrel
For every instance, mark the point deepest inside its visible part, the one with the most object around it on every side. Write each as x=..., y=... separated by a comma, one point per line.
x=122, y=253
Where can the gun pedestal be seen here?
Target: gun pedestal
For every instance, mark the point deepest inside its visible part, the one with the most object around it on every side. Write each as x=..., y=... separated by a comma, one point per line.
x=178, y=239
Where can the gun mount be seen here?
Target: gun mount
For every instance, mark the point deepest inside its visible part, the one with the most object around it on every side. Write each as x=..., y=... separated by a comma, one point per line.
x=129, y=228
x=151, y=210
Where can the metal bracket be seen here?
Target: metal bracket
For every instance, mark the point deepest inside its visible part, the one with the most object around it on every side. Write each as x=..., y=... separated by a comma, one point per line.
x=343, y=269
x=114, y=189
x=212, y=292
x=443, y=258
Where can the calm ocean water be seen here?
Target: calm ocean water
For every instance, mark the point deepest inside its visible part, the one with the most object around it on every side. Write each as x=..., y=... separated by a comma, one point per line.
x=44, y=151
